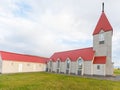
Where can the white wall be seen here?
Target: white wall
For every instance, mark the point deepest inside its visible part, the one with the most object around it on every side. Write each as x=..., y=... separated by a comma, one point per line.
x=15, y=67
x=88, y=67
x=73, y=68
x=104, y=50
x=0, y=64
x=101, y=71
x=54, y=67
x=63, y=67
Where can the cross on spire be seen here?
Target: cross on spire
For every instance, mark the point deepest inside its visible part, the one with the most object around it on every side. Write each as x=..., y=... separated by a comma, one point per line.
x=103, y=7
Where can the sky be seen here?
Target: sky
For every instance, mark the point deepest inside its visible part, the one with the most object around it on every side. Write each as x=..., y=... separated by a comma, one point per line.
x=42, y=27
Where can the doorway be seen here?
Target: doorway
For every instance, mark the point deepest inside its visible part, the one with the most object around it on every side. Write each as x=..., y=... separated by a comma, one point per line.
x=20, y=68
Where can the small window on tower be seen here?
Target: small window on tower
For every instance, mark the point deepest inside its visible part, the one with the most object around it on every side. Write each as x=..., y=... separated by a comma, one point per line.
x=98, y=67
x=101, y=38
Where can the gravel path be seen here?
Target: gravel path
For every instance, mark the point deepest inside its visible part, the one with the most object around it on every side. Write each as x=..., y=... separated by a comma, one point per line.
x=113, y=78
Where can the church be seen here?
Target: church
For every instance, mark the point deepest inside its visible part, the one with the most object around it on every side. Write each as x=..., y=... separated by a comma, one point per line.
x=96, y=60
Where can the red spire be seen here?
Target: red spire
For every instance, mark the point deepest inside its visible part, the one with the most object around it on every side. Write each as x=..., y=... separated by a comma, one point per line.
x=103, y=24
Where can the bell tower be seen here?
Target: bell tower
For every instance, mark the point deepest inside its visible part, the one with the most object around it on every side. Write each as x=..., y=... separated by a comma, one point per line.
x=102, y=41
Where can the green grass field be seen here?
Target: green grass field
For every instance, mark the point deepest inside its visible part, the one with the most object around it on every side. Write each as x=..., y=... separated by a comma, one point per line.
x=117, y=71
x=48, y=81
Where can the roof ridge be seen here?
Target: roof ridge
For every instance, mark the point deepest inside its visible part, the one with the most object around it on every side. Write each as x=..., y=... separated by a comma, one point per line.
x=22, y=54
x=73, y=50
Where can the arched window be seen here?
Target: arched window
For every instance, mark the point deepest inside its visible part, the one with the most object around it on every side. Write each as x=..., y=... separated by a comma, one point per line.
x=79, y=64
x=68, y=64
x=58, y=64
x=79, y=70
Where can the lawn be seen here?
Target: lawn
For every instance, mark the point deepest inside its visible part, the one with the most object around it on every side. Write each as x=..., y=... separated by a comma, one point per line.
x=117, y=71
x=48, y=81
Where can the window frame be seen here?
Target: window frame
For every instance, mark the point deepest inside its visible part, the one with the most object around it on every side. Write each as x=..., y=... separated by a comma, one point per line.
x=101, y=37
x=68, y=62
x=98, y=67
x=79, y=64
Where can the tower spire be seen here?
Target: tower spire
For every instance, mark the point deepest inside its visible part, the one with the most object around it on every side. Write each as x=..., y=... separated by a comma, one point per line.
x=103, y=7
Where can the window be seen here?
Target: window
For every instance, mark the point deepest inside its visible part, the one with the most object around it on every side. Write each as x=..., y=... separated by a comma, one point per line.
x=12, y=63
x=39, y=65
x=98, y=67
x=68, y=64
x=79, y=64
x=28, y=64
x=101, y=38
x=58, y=64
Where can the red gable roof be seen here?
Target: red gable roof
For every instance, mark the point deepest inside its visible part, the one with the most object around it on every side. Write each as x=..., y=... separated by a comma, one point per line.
x=21, y=57
x=103, y=24
x=99, y=60
x=73, y=55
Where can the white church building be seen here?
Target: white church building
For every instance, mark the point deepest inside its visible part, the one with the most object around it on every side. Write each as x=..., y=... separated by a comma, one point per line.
x=96, y=60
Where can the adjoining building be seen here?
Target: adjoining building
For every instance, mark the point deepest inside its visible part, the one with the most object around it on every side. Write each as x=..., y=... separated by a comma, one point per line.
x=96, y=60
x=15, y=63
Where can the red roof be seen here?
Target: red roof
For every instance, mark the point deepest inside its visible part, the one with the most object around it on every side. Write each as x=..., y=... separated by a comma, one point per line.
x=103, y=24
x=99, y=60
x=73, y=55
x=8, y=56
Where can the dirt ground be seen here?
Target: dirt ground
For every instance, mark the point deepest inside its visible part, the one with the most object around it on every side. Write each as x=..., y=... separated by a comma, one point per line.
x=113, y=78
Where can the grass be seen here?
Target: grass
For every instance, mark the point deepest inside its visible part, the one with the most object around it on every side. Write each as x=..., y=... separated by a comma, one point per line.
x=117, y=71
x=48, y=81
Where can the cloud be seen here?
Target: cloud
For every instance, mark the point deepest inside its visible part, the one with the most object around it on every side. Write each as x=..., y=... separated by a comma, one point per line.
x=22, y=9
x=42, y=27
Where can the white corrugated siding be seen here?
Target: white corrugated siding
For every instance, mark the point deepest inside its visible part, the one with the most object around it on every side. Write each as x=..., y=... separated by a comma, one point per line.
x=101, y=71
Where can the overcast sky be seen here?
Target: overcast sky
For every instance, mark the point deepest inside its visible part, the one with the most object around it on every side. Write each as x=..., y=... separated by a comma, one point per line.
x=42, y=27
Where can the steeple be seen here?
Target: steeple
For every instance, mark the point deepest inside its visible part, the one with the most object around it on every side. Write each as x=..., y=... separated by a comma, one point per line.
x=103, y=23
x=102, y=42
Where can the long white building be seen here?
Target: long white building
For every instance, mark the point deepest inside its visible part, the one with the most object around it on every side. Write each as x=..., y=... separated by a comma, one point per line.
x=17, y=63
